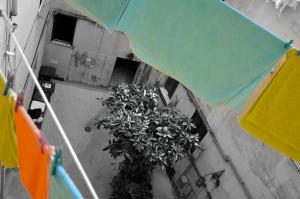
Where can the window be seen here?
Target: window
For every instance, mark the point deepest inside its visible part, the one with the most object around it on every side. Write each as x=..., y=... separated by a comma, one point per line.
x=63, y=28
x=170, y=86
x=200, y=126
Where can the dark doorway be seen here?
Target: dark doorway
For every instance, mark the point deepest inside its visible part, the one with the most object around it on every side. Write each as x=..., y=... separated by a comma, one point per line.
x=171, y=85
x=200, y=126
x=124, y=71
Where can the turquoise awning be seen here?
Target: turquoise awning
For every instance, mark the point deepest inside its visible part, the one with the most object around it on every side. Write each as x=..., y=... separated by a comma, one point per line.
x=208, y=46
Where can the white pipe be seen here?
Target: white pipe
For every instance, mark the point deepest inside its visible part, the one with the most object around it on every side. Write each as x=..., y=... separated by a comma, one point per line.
x=59, y=126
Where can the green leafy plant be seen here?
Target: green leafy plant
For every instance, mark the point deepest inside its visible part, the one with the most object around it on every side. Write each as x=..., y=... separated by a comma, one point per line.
x=145, y=134
x=142, y=127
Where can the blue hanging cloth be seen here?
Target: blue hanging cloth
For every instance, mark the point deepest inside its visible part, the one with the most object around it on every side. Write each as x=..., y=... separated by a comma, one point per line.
x=62, y=185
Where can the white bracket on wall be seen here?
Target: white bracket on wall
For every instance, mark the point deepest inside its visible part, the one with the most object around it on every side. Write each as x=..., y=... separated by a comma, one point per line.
x=8, y=53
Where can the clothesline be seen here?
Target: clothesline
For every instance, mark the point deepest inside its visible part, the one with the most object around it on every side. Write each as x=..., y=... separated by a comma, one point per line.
x=8, y=22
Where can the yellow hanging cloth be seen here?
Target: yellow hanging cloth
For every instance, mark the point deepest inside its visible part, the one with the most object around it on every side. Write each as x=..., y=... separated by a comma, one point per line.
x=8, y=141
x=274, y=117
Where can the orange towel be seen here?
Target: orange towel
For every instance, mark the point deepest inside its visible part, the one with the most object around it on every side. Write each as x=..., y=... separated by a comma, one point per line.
x=34, y=160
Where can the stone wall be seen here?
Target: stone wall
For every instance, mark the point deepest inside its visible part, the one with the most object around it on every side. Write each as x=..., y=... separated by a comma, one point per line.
x=30, y=35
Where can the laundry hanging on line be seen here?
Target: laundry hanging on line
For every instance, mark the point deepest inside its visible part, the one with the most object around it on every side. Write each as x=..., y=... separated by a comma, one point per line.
x=206, y=45
x=8, y=140
x=62, y=185
x=38, y=184
x=274, y=116
x=34, y=156
x=34, y=152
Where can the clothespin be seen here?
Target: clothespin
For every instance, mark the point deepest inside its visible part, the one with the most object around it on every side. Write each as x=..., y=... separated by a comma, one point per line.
x=288, y=44
x=9, y=84
x=15, y=26
x=57, y=160
x=20, y=100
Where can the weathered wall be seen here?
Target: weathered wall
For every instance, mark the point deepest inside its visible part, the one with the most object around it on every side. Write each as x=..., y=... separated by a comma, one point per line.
x=29, y=34
x=184, y=105
x=266, y=173
x=90, y=41
x=161, y=186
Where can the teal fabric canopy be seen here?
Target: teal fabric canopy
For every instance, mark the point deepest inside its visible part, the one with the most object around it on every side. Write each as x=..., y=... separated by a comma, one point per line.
x=105, y=12
x=208, y=46
x=62, y=186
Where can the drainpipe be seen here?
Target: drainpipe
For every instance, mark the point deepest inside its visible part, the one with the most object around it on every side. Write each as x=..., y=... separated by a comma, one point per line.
x=225, y=157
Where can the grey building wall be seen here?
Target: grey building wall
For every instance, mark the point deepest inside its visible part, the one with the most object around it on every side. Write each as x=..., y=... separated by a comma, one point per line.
x=90, y=41
x=30, y=36
x=265, y=172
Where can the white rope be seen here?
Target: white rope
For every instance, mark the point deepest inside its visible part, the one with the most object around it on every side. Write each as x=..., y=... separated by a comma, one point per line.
x=48, y=105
